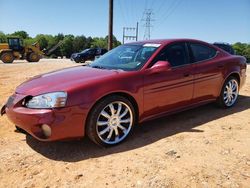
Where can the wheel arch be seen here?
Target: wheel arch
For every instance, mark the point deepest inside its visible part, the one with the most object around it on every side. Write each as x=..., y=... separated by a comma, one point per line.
x=233, y=74
x=5, y=51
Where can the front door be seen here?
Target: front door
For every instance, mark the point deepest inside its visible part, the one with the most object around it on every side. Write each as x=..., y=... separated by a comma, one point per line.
x=173, y=89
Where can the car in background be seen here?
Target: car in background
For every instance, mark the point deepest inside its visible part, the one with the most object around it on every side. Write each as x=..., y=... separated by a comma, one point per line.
x=87, y=54
x=130, y=84
x=225, y=46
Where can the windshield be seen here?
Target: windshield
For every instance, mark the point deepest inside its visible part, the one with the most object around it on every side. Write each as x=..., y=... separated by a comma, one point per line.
x=126, y=57
x=84, y=51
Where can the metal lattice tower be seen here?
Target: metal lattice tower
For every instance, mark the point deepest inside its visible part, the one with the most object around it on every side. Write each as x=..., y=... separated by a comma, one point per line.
x=147, y=18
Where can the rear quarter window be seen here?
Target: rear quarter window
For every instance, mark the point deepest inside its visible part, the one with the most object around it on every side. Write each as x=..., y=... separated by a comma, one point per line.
x=202, y=52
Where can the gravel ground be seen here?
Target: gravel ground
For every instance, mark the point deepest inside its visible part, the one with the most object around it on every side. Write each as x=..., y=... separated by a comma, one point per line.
x=203, y=147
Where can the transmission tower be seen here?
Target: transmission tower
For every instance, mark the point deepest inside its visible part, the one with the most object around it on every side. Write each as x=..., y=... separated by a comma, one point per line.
x=147, y=18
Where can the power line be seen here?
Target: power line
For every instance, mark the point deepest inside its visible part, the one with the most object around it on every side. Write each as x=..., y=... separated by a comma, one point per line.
x=148, y=13
x=170, y=11
x=146, y=4
x=151, y=5
x=122, y=12
x=161, y=6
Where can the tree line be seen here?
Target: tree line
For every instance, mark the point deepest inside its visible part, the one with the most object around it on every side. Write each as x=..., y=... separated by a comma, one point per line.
x=71, y=43
x=242, y=49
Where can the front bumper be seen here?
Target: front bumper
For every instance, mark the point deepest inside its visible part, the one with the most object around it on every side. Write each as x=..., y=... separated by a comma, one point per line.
x=65, y=123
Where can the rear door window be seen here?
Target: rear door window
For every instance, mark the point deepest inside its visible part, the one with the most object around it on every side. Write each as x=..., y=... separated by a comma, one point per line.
x=202, y=52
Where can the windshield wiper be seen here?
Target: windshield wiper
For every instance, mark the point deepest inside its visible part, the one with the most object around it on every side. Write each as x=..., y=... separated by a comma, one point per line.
x=97, y=67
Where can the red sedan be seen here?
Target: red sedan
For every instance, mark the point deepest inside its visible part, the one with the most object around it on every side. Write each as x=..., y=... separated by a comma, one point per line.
x=130, y=84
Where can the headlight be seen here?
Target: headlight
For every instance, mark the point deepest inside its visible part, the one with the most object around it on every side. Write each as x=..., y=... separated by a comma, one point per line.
x=48, y=100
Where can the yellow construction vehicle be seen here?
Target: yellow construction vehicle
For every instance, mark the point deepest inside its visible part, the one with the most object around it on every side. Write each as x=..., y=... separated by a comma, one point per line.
x=15, y=49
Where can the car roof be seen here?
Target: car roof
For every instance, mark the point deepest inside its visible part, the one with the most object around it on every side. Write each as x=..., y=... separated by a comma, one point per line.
x=166, y=41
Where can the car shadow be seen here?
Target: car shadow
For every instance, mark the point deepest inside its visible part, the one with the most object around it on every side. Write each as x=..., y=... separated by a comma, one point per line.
x=142, y=135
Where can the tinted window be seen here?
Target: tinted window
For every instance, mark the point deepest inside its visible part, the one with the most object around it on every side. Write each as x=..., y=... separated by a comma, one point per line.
x=202, y=52
x=92, y=51
x=175, y=54
x=14, y=42
x=225, y=47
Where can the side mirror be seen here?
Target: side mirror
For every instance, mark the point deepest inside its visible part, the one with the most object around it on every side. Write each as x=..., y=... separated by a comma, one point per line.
x=161, y=66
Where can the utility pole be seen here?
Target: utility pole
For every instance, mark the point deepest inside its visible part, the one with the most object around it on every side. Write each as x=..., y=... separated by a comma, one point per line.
x=137, y=24
x=148, y=20
x=133, y=33
x=110, y=36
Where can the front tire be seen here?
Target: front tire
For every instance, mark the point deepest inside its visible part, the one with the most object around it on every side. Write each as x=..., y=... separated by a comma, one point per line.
x=7, y=57
x=229, y=93
x=111, y=121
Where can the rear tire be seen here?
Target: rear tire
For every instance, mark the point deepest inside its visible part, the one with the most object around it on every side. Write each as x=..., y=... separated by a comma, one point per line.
x=33, y=57
x=229, y=93
x=110, y=121
x=7, y=57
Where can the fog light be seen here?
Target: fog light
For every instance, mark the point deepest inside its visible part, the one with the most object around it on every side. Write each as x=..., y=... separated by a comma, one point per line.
x=46, y=130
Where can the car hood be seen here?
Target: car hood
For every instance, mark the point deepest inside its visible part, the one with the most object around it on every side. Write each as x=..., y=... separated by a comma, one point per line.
x=63, y=80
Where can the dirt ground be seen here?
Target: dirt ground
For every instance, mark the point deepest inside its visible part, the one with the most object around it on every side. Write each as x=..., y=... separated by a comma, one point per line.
x=203, y=147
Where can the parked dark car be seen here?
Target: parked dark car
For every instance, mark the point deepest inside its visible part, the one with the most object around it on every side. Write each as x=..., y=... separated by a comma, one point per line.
x=87, y=54
x=131, y=84
x=225, y=46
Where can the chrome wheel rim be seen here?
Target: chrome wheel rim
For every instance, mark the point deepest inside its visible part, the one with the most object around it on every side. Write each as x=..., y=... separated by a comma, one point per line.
x=231, y=91
x=114, y=122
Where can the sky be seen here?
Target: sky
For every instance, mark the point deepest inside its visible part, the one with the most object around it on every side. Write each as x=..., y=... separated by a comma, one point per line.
x=207, y=20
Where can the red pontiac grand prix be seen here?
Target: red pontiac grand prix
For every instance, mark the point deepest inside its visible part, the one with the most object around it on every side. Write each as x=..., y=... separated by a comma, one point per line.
x=128, y=85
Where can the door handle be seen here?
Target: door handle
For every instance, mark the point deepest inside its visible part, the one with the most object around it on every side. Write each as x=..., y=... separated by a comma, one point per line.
x=186, y=74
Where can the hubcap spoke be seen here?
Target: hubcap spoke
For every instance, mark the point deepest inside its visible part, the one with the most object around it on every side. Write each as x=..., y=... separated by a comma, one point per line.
x=111, y=107
x=125, y=120
x=101, y=123
x=234, y=93
x=110, y=134
x=124, y=113
x=116, y=131
x=124, y=130
x=105, y=114
x=119, y=109
x=104, y=131
x=233, y=87
x=230, y=85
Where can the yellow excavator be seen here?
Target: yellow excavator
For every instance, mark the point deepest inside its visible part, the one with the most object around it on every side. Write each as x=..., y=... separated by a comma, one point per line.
x=15, y=49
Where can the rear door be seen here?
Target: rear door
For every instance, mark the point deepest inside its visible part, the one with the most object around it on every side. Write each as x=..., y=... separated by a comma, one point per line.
x=208, y=71
x=173, y=89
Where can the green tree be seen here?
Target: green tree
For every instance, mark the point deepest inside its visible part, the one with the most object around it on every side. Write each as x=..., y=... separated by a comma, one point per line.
x=43, y=41
x=71, y=44
x=29, y=41
x=21, y=34
x=79, y=43
x=3, y=37
x=246, y=53
x=67, y=46
x=242, y=49
x=99, y=42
